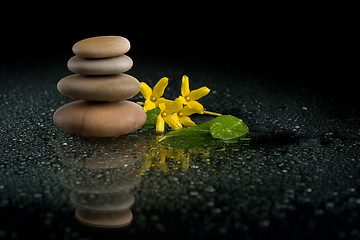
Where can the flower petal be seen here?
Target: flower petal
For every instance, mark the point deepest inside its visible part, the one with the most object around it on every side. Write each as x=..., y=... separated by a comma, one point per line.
x=169, y=107
x=177, y=105
x=199, y=93
x=186, y=111
x=159, y=88
x=162, y=107
x=185, y=89
x=173, y=121
x=183, y=101
x=145, y=90
x=162, y=100
x=186, y=121
x=148, y=105
x=194, y=105
x=160, y=124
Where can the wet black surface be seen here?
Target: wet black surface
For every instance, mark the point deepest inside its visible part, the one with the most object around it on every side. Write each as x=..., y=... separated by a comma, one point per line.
x=297, y=177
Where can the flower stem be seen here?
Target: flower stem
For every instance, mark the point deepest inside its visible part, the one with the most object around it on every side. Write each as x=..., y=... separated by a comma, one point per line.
x=212, y=113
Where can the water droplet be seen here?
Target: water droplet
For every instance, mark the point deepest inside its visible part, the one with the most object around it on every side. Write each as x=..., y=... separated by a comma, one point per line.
x=194, y=193
x=37, y=195
x=210, y=189
x=264, y=223
x=330, y=205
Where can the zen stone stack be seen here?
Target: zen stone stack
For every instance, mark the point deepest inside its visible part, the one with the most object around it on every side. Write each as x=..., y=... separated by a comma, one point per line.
x=101, y=87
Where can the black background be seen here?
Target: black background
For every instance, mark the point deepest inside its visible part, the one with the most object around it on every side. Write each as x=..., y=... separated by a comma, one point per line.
x=311, y=46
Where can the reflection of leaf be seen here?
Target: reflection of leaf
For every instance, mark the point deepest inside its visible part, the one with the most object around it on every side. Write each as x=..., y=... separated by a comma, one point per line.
x=191, y=141
x=227, y=127
x=151, y=117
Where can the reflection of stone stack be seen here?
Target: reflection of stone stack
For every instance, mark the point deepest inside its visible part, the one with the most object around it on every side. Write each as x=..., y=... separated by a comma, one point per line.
x=100, y=174
x=102, y=87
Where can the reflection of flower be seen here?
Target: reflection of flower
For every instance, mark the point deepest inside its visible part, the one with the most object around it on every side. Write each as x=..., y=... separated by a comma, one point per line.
x=165, y=157
x=189, y=97
x=153, y=96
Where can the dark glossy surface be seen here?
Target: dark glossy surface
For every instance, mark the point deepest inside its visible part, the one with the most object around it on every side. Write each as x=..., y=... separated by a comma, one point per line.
x=296, y=178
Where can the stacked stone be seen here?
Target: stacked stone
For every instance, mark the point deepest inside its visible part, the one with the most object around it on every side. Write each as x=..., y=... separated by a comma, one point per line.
x=102, y=87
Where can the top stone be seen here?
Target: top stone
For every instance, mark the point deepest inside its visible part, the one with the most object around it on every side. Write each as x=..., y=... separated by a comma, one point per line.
x=101, y=47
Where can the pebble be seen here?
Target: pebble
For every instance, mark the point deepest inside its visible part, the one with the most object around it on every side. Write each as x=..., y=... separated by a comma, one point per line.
x=102, y=66
x=99, y=88
x=104, y=119
x=101, y=47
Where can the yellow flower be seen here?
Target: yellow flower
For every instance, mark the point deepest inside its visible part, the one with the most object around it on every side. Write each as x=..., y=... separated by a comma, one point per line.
x=189, y=97
x=168, y=114
x=153, y=96
x=184, y=114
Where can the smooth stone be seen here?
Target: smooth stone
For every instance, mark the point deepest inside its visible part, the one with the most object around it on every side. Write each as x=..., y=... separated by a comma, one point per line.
x=99, y=88
x=100, y=66
x=100, y=119
x=101, y=47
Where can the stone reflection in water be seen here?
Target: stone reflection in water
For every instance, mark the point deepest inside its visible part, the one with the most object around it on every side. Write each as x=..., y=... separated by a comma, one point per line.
x=101, y=173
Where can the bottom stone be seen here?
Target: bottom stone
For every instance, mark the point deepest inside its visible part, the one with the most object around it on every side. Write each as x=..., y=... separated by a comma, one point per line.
x=100, y=119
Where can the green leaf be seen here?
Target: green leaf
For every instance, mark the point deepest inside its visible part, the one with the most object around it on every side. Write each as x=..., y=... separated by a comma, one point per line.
x=228, y=127
x=189, y=131
x=151, y=118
